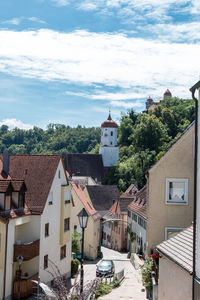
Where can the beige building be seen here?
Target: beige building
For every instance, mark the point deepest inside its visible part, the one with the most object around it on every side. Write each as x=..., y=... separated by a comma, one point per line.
x=175, y=267
x=92, y=231
x=170, y=191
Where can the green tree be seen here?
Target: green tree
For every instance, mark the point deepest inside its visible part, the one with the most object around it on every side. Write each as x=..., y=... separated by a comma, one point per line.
x=149, y=134
x=75, y=242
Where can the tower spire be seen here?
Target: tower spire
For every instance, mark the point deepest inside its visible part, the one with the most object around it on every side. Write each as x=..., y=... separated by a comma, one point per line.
x=109, y=116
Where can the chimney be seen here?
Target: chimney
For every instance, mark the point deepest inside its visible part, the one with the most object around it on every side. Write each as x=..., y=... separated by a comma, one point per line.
x=6, y=162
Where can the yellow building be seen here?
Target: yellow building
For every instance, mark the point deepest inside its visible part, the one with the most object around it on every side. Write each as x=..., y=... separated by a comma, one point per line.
x=92, y=231
x=170, y=191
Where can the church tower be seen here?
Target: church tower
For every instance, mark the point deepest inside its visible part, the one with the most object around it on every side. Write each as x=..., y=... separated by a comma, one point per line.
x=108, y=148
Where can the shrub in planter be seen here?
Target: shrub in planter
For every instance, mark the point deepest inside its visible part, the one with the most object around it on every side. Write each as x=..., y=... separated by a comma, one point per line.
x=102, y=289
x=74, y=266
x=147, y=269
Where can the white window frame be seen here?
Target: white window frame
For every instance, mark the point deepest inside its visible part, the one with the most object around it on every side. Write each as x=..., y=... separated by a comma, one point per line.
x=50, y=200
x=185, y=181
x=175, y=229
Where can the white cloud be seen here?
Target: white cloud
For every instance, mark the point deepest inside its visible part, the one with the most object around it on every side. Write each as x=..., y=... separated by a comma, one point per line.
x=172, y=33
x=87, y=6
x=101, y=95
x=61, y=2
x=137, y=66
x=17, y=21
x=14, y=21
x=13, y=123
x=127, y=104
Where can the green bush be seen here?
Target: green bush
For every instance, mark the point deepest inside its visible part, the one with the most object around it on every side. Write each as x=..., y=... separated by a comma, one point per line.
x=74, y=266
x=116, y=283
x=102, y=289
x=147, y=268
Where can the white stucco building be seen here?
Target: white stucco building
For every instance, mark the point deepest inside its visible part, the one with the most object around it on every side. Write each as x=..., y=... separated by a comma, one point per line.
x=108, y=148
x=137, y=219
x=39, y=229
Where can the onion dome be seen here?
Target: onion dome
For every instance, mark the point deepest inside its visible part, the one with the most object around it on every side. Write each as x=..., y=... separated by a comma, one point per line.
x=109, y=123
x=167, y=93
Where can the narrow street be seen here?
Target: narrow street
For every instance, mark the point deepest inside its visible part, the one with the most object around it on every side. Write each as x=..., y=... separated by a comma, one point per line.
x=131, y=287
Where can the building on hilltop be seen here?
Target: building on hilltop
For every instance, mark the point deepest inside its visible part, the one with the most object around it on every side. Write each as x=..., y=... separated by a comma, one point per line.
x=151, y=104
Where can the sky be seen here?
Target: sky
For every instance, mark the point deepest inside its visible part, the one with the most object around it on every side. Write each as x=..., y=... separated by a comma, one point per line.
x=70, y=61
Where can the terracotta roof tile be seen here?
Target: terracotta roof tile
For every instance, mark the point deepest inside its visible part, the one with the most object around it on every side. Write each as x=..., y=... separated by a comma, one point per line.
x=179, y=249
x=138, y=205
x=85, y=201
x=37, y=171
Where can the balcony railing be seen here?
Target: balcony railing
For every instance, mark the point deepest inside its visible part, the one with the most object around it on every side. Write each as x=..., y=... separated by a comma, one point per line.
x=27, y=250
x=27, y=287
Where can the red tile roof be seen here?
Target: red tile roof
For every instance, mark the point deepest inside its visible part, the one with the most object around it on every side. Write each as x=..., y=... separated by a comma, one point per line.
x=85, y=201
x=109, y=123
x=37, y=171
x=138, y=205
x=179, y=249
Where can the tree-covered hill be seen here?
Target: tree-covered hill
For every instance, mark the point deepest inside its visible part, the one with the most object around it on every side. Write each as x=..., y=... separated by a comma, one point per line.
x=57, y=139
x=143, y=138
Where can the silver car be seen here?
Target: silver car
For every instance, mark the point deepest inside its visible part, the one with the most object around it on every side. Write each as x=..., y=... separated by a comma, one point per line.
x=105, y=268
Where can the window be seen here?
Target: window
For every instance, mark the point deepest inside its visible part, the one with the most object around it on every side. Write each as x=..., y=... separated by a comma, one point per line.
x=75, y=227
x=66, y=224
x=46, y=229
x=111, y=133
x=63, y=252
x=45, y=261
x=51, y=198
x=129, y=214
x=176, y=190
x=111, y=143
x=67, y=196
x=171, y=232
x=134, y=217
x=21, y=199
x=59, y=174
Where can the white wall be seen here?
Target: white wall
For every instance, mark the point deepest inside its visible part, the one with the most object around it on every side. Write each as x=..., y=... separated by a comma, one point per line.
x=107, y=138
x=174, y=282
x=107, y=231
x=198, y=200
x=110, y=155
x=51, y=245
x=139, y=231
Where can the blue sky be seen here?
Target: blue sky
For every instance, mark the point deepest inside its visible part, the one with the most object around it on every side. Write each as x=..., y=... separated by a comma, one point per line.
x=66, y=61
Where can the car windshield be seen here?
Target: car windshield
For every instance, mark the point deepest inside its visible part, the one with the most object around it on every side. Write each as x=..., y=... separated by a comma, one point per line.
x=105, y=264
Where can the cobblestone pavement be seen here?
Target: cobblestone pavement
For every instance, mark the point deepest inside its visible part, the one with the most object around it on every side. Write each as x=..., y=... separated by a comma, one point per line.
x=131, y=287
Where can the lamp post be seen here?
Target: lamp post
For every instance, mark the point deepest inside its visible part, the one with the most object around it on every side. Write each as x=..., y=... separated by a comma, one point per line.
x=83, y=219
x=20, y=261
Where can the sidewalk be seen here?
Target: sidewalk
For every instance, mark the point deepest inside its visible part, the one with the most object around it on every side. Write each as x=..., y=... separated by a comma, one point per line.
x=131, y=287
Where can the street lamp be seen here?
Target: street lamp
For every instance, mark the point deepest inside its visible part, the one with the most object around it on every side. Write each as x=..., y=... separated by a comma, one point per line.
x=20, y=261
x=83, y=219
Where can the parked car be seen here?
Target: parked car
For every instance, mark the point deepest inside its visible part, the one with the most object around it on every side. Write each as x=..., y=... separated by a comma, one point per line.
x=105, y=268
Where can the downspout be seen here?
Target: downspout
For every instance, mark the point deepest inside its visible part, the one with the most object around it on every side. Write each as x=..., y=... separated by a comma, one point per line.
x=195, y=194
x=5, y=262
